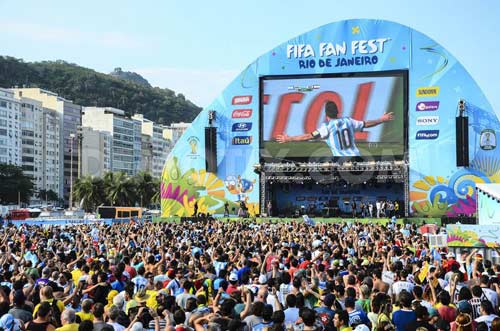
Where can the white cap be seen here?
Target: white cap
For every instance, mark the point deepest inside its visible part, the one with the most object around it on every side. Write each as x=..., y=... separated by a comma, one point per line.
x=450, y=255
x=361, y=327
x=262, y=279
x=233, y=277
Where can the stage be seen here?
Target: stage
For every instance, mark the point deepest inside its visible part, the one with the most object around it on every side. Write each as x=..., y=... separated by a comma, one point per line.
x=335, y=190
x=384, y=221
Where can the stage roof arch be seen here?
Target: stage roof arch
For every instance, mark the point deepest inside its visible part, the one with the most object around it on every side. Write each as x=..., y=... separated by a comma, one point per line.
x=423, y=82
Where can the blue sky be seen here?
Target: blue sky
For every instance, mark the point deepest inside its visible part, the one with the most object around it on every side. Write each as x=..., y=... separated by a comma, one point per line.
x=198, y=47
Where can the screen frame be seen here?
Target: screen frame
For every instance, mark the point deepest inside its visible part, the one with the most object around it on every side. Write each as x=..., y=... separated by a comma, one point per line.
x=404, y=73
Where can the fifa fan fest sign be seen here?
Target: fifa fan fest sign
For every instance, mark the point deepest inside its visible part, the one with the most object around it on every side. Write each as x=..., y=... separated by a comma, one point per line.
x=395, y=93
x=334, y=54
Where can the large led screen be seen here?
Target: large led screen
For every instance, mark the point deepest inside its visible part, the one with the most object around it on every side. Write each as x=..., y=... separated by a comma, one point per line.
x=369, y=121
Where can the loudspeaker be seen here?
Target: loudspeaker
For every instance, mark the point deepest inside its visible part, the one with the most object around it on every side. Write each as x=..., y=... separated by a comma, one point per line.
x=462, y=141
x=211, y=149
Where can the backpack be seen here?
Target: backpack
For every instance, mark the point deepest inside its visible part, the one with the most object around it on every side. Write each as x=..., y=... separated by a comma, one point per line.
x=56, y=314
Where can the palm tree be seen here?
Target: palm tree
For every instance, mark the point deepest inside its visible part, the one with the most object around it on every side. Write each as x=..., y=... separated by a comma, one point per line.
x=119, y=189
x=88, y=190
x=155, y=198
x=145, y=187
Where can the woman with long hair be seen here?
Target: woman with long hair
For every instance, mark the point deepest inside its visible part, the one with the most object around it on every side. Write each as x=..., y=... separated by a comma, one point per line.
x=463, y=322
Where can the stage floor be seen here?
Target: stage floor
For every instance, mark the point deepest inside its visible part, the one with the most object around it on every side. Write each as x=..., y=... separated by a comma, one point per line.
x=383, y=221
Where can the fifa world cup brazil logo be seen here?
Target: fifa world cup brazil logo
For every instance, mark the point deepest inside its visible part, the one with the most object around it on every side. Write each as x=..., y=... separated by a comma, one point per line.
x=193, y=143
x=488, y=140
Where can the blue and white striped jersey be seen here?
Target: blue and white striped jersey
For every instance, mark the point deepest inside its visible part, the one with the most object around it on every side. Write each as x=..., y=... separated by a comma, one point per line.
x=339, y=135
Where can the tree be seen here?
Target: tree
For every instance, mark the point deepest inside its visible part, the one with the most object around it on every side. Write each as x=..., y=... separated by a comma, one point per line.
x=155, y=199
x=89, y=191
x=48, y=196
x=88, y=88
x=52, y=196
x=14, y=184
x=119, y=189
x=145, y=188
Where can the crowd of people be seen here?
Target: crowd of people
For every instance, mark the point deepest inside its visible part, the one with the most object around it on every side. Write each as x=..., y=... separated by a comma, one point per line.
x=225, y=275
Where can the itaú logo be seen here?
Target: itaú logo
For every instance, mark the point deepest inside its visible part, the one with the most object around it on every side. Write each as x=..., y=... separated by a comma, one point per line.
x=242, y=140
x=242, y=113
x=427, y=120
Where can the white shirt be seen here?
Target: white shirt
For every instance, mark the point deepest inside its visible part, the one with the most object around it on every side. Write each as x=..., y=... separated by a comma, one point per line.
x=339, y=135
x=490, y=295
x=399, y=286
x=487, y=319
x=117, y=326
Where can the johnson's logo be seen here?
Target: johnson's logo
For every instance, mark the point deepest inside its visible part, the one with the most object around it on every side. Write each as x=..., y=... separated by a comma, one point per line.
x=242, y=140
x=242, y=100
x=240, y=127
x=427, y=134
x=431, y=91
x=427, y=106
x=427, y=120
x=242, y=113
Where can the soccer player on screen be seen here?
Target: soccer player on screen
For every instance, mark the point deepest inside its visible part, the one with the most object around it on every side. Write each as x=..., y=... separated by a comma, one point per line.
x=337, y=132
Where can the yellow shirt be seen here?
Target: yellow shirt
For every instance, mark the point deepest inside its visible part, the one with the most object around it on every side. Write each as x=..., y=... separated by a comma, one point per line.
x=68, y=327
x=151, y=302
x=59, y=304
x=85, y=316
x=76, y=274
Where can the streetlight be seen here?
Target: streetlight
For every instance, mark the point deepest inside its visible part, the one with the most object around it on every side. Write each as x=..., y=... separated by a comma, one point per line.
x=72, y=138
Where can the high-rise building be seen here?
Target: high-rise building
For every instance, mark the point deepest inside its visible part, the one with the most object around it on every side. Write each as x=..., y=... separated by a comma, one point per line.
x=40, y=130
x=147, y=153
x=154, y=143
x=174, y=131
x=10, y=129
x=70, y=119
x=126, y=136
x=96, y=152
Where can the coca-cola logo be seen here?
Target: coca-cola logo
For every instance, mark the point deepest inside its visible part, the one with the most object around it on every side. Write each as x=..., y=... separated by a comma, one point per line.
x=242, y=113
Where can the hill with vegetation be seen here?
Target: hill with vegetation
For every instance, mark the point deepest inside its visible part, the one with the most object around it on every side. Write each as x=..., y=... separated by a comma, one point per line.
x=88, y=87
x=130, y=76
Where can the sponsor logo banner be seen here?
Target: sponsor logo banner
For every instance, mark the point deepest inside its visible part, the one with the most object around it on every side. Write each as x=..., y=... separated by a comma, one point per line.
x=242, y=100
x=240, y=127
x=242, y=113
x=427, y=106
x=427, y=134
x=242, y=140
x=193, y=143
x=427, y=120
x=429, y=91
x=488, y=140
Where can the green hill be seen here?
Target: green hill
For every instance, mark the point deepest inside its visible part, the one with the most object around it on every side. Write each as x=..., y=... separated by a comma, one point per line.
x=87, y=87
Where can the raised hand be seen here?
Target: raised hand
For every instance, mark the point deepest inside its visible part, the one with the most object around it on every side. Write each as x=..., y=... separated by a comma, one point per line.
x=282, y=138
x=387, y=117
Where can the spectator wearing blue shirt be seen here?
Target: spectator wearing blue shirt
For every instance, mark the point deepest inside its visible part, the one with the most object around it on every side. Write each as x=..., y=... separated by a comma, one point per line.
x=356, y=316
x=405, y=316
